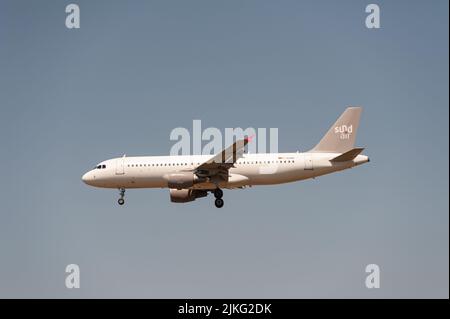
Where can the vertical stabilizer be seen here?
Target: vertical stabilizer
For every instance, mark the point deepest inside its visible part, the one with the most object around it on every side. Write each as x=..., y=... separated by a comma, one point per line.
x=341, y=137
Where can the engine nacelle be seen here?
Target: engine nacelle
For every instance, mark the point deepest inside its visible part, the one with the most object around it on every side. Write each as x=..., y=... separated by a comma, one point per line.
x=186, y=195
x=183, y=180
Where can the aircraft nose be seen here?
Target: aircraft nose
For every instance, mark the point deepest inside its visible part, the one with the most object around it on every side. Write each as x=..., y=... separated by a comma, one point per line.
x=86, y=178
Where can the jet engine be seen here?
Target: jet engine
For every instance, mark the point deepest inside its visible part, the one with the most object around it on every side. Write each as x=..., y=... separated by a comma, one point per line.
x=186, y=195
x=183, y=180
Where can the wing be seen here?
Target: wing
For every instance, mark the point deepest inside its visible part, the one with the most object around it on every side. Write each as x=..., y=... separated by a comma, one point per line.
x=218, y=165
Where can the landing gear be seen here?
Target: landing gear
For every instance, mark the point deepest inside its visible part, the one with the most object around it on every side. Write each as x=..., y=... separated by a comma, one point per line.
x=218, y=194
x=218, y=202
x=121, y=201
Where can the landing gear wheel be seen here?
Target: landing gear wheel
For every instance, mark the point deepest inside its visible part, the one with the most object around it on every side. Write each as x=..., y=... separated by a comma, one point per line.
x=121, y=201
x=218, y=193
x=218, y=202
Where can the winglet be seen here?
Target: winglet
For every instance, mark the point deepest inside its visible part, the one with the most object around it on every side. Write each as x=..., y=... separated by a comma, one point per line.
x=348, y=156
x=248, y=139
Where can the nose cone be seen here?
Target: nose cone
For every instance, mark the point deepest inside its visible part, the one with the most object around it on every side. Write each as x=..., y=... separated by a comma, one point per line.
x=87, y=178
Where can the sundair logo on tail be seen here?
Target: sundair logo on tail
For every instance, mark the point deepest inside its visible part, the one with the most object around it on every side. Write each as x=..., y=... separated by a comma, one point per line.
x=344, y=131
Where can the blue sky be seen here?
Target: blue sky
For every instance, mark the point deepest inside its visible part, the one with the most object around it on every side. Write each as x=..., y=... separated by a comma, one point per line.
x=135, y=70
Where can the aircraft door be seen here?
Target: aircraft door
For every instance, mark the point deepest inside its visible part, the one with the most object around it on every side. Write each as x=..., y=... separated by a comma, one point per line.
x=308, y=162
x=120, y=166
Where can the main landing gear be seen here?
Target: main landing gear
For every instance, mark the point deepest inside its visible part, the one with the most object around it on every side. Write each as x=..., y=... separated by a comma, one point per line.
x=121, y=201
x=218, y=194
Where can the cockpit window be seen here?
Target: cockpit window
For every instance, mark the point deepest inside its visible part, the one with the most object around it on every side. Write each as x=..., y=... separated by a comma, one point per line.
x=103, y=166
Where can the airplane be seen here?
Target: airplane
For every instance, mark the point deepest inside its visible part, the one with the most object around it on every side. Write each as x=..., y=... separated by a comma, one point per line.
x=189, y=177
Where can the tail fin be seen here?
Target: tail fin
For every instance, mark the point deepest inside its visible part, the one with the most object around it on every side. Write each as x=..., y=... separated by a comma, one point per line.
x=341, y=136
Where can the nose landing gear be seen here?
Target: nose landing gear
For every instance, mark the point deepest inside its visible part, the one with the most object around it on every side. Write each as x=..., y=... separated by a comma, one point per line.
x=121, y=201
x=218, y=194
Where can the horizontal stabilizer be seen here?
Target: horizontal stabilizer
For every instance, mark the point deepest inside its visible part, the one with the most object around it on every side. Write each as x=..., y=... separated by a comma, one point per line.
x=348, y=156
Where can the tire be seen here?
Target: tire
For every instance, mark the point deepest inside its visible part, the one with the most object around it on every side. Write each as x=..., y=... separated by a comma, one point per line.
x=219, y=202
x=218, y=193
x=121, y=201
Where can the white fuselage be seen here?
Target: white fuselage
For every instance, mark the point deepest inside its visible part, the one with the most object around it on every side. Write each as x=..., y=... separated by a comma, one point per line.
x=251, y=169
